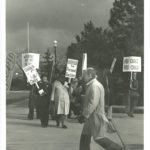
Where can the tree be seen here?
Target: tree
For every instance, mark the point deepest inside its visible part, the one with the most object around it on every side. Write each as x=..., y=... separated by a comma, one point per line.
x=123, y=38
x=127, y=28
x=126, y=22
x=96, y=43
x=47, y=64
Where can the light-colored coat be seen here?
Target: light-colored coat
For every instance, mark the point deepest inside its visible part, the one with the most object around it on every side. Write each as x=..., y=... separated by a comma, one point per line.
x=96, y=123
x=61, y=97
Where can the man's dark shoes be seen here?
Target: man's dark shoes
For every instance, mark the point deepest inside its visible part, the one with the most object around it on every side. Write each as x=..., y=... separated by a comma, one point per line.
x=30, y=118
x=130, y=115
x=57, y=124
x=64, y=127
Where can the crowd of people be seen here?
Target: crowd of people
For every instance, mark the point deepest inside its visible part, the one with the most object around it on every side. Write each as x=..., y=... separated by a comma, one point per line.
x=60, y=100
x=85, y=100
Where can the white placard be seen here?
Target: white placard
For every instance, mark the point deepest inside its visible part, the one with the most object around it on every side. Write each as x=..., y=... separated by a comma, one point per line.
x=30, y=59
x=32, y=74
x=84, y=61
x=71, y=68
x=113, y=65
x=132, y=64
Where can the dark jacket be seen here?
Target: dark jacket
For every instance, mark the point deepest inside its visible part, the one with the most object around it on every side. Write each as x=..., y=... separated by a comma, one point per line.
x=45, y=98
x=33, y=97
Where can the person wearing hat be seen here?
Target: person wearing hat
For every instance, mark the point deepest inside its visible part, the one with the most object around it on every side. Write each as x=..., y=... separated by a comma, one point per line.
x=44, y=100
x=133, y=94
x=33, y=103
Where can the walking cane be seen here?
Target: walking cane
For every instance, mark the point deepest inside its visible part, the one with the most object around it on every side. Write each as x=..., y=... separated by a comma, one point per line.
x=124, y=145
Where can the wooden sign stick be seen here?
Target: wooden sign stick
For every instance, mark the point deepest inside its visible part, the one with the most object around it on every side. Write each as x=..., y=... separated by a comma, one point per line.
x=37, y=85
x=69, y=81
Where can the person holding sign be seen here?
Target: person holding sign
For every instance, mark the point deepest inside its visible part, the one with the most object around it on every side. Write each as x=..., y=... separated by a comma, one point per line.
x=33, y=103
x=60, y=98
x=133, y=93
x=44, y=96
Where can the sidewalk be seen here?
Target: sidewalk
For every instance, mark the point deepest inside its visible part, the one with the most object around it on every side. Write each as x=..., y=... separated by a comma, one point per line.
x=23, y=134
x=14, y=96
x=131, y=130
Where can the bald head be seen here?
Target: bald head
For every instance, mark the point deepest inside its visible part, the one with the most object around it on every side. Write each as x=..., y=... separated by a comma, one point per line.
x=90, y=73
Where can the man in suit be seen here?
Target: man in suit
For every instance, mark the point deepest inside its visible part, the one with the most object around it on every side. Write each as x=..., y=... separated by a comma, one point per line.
x=44, y=100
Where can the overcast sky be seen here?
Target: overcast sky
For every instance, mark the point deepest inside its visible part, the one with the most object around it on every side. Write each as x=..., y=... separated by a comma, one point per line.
x=51, y=20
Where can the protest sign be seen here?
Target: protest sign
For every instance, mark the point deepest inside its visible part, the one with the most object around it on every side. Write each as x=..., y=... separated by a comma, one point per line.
x=10, y=65
x=113, y=65
x=71, y=68
x=32, y=74
x=132, y=64
x=30, y=58
x=84, y=62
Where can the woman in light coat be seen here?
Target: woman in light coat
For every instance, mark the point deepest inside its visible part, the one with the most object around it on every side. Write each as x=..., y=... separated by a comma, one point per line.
x=60, y=97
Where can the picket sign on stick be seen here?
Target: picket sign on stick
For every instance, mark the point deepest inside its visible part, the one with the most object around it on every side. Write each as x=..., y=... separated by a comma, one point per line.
x=132, y=64
x=71, y=69
x=69, y=80
x=32, y=74
x=37, y=85
x=30, y=59
x=113, y=65
x=84, y=63
x=131, y=76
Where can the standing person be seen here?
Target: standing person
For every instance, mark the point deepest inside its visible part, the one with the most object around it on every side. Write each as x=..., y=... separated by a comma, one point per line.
x=33, y=103
x=108, y=94
x=44, y=100
x=60, y=97
x=93, y=115
x=72, y=96
x=133, y=94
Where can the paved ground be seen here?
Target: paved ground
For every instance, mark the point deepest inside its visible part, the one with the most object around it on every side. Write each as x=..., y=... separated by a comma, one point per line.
x=13, y=96
x=23, y=134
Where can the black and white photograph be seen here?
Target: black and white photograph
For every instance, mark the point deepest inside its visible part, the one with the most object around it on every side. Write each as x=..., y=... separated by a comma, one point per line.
x=74, y=74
